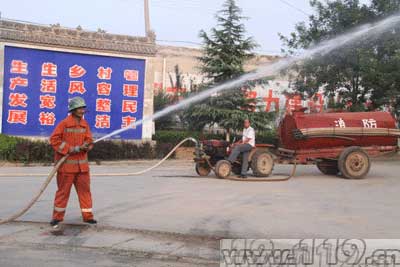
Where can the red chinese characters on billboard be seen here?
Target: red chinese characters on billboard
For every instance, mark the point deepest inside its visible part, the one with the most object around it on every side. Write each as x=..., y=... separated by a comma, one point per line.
x=131, y=90
x=17, y=116
x=103, y=121
x=48, y=101
x=104, y=73
x=76, y=71
x=128, y=121
x=269, y=100
x=18, y=81
x=48, y=86
x=47, y=118
x=292, y=101
x=49, y=69
x=104, y=89
x=129, y=106
x=19, y=67
x=18, y=99
x=103, y=105
x=131, y=75
x=77, y=87
x=39, y=83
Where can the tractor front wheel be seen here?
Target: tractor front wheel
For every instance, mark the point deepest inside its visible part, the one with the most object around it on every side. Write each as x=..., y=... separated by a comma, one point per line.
x=202, y=169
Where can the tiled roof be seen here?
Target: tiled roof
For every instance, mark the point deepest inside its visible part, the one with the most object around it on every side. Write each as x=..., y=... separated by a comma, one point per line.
x=55, y=35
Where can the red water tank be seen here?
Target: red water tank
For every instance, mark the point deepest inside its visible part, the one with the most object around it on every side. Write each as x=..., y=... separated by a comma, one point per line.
x=325, y=130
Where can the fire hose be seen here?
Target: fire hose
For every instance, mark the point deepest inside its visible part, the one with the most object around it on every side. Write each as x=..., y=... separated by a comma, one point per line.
x=62, y=160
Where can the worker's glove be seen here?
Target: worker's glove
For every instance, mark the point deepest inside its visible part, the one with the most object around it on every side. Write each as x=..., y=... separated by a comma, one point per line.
x=74, y=149
x=84, y=147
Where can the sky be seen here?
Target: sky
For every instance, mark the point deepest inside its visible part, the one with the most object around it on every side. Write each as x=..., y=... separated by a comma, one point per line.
x=175, y=22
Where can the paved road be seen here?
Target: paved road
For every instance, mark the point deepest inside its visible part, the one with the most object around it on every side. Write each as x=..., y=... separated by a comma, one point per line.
x=172, y=199
x=37, y=244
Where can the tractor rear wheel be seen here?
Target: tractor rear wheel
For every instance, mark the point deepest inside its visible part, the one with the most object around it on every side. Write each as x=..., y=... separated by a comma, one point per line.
x=328, y=167
x=262, y=163
x=223, y=169
x=202, y=169
x=354, y=163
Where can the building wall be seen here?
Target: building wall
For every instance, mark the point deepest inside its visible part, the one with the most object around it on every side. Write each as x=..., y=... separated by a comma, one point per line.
x=168, y=57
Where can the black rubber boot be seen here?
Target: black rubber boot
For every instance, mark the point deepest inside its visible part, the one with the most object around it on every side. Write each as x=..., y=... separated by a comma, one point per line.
x=55, y=223
x=92, y=222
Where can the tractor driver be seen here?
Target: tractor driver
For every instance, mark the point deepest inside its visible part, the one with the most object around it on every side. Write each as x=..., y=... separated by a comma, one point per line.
x=244, y=146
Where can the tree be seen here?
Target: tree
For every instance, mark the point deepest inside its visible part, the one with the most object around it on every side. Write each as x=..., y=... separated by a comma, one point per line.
x=177, y=84
x=356, y=73
x=225, y=51
x=162, y=100
x=383, y=75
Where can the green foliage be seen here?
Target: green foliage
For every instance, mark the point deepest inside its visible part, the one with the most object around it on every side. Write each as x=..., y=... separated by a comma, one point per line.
x=225, y=51
x=267, y=137
x=7, y=146
x=215, y=112
x=162, y=100
x=16, y=149
x=174, y=137
x=364, y=70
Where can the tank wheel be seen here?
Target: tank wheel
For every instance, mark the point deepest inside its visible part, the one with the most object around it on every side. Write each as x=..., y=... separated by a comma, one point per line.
x=202, y=169
x=354, y=163
x=262, y=163
x=237, y=168
x=328, y=167
x=223, y=169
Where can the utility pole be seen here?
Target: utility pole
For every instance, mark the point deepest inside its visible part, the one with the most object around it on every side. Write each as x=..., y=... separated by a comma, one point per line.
x=146, y=17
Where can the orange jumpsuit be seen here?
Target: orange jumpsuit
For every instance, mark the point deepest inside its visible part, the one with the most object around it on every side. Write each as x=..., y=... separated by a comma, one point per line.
x=68, y=134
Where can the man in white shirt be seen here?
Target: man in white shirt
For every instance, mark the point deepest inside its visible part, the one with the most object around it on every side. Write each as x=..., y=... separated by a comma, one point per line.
x=244, y=146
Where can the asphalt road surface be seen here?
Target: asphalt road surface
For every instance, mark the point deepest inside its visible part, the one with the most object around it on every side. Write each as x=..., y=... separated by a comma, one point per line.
x=171, y=205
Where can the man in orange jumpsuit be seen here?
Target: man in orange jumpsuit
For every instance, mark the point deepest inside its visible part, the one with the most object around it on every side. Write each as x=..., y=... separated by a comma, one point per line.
x=72, y=136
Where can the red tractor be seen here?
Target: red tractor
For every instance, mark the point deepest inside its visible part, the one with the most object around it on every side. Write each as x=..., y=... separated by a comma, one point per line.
x=338, y=143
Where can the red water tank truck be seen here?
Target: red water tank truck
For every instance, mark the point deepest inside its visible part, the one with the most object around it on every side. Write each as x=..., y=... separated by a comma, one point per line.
x=338, y=143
